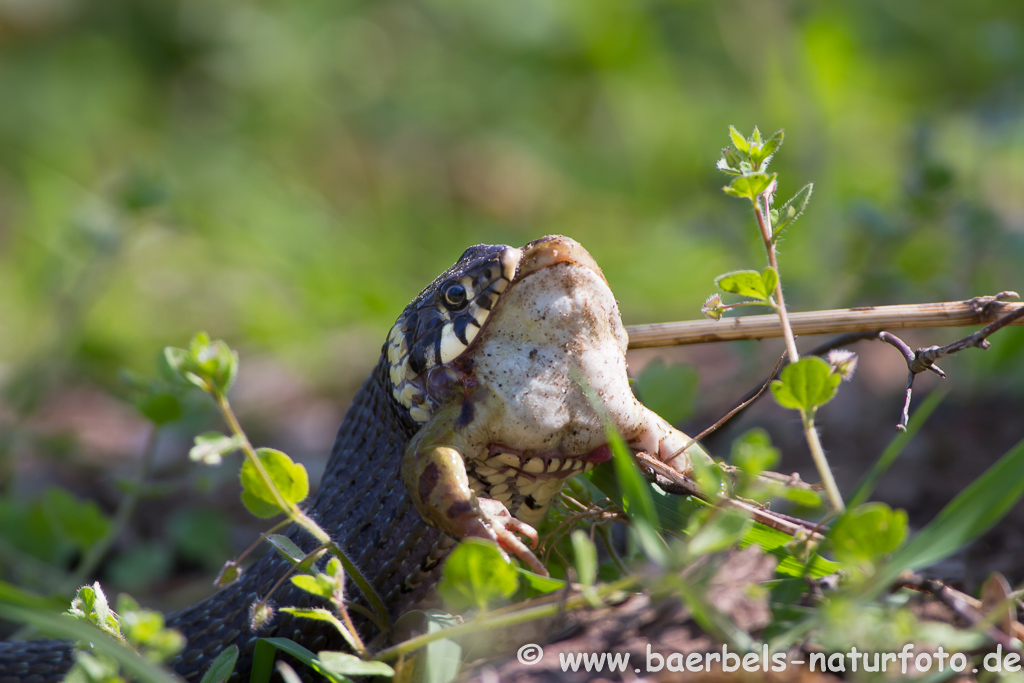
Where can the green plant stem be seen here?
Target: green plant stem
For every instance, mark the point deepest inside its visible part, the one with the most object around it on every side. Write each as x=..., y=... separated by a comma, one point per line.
x=92, y=558
x=353, y=633
x=818, y=453
x=764, y=223
x=299, y=517
x=250, y=453
x=810, y=433
x=495, y=620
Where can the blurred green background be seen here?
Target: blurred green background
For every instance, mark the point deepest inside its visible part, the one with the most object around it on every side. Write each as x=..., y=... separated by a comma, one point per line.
x=287, y=175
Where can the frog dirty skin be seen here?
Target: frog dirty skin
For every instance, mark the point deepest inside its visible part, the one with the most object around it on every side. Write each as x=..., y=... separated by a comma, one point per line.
x=506, y=414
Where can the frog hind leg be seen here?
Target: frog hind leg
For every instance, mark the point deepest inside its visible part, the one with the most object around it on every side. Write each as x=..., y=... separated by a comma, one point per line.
x=439, y=487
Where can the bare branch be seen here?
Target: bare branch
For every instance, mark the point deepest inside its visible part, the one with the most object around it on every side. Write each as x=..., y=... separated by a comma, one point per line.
x=924, y=358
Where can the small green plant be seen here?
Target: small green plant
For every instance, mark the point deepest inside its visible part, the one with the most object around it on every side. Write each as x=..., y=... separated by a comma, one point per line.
x=131, y=626
x=272, y=484
x=805, y=385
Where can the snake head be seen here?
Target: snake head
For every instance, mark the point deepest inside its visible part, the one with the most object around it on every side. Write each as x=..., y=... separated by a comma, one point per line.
x=441, y=323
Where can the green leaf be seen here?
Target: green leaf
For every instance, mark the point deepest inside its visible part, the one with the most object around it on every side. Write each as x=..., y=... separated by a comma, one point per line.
x=288, y=477
x=145, y=630
x=749, y=185
x=722, y=529
x=476, y=574
x=541, y=584
x=759, y=286
x=738, y=141
x=200, y=534
x=668, y=390
x=210, y=447
x=326, y=616
x=159, y=407
x=966, y=517
x=729, y=162
x=586, y=557
x=330, y=585
x=636, y=493
x=178, y=361
x=266, y=652
x=637, y=501
x=79, y=522
x=222, y=667
x=286, y=548
x=867, y=532
x=805, y=385
x=792, y=210
x=345, y=664
x=210, y=365
x=310, y=584
x=808, y=498
x=90, y=604
x=777, y=543
x=770, y=278
x=762, y=155
x=753, y=452
x=140, y=565
x=709, y=477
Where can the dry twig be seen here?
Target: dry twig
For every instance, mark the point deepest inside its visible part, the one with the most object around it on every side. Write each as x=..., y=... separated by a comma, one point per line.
x=977, y=311
x=965, y=607
x=672, y=481
x=924, y=359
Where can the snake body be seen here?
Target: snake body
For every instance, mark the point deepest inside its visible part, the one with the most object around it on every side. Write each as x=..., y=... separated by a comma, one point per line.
x=361, y=502
x=507, y=398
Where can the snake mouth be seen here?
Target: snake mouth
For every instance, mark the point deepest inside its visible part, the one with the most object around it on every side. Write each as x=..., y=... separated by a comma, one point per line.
x=553, y=250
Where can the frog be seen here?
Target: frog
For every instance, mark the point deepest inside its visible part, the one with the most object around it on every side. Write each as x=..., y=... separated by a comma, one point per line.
x=515, y=385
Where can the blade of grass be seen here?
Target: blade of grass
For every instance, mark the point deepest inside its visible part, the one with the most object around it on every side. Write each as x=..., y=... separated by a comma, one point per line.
x=867, y=485
x=964, y=519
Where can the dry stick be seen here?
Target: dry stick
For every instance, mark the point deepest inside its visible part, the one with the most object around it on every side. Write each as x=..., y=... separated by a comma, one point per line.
x=732, y=413
x=964, y=606
x=858, y=323
x=673, y=481
x=977, y=311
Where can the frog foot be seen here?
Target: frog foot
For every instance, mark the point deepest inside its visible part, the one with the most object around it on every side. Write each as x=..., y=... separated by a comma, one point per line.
x=655, y=436
x=503, y=528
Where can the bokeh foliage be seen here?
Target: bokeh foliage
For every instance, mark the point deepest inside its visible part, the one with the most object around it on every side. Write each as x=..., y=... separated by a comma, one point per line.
x=275, y=172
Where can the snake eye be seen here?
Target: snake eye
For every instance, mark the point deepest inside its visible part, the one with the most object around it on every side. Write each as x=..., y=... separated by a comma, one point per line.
x=454, y=296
